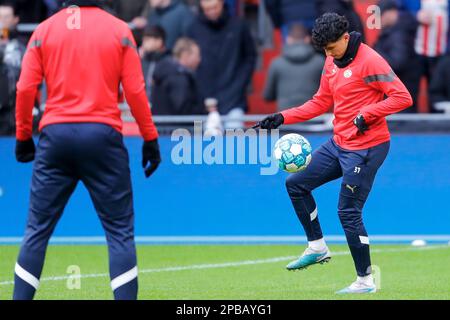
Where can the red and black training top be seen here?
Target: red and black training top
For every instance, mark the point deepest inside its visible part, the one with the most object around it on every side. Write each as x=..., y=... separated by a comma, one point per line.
x=83, y=59
x=361, y=87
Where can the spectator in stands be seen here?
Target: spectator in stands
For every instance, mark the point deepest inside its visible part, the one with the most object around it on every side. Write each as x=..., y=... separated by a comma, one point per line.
x=32, y=11
x=295, y=76
x=109, y=6
x=153, y=49
x=13, y=46
x=7, y=94
x=343, y=8
x=440, y=86
x=396, y=45
x=233, y=6
x=173, y=15
x=228, y=59
x=53, y=6
x=12, y=49
x=127, y=10
x=134, y=12
x=174, y=90
x=431, y=37
x=285, y=12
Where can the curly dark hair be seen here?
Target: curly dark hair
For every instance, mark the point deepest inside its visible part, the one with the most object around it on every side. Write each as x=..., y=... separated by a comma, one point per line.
x=329, y=27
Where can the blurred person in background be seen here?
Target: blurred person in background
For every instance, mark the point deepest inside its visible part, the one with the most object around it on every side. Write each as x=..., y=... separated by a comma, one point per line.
x=294, y=77
x=440, y=86
x=153, y=49
x=233, y=6
x=127, y=10
x=12, y=44
x=33, y=11
x=228, y=59
x=172, y=15
x=344, y=8
x=53, y=6
x=12, y=49
x=432, y=34
x=7, y=92
x=174, y=89
x=285, y=12
x=396, y=44
x=133, y=12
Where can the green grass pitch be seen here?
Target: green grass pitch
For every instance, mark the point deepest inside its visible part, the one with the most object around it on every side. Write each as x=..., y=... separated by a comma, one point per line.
x=238, y=272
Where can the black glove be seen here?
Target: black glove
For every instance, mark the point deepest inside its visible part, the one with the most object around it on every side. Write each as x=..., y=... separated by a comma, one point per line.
x=271, y=122
x=150, y=153
x=360, y=123
x=25, y=150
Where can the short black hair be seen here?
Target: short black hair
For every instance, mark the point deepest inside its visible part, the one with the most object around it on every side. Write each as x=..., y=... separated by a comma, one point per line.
x=155, y=31
x=11, y=4
x=329, y=27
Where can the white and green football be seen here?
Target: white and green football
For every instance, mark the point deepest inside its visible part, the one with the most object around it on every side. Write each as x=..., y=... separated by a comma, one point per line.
x=293, y=152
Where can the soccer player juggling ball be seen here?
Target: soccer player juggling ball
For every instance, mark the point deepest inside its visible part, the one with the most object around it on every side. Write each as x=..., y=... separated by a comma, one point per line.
x=81, y=136
x=355, y=80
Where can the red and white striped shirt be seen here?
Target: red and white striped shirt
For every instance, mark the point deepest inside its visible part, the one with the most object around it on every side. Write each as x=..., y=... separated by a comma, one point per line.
x=431, y=39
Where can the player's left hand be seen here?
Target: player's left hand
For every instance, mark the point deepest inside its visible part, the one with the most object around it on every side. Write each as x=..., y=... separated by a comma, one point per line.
x=25, y=150
x=150, y=154
x=360, y=123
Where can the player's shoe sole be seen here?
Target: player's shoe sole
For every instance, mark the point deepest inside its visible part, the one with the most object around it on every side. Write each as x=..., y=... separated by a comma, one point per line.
x=349, y=290
x=308, y=260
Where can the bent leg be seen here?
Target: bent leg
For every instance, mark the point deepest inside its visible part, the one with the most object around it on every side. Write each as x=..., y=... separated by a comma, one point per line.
x=324, y=167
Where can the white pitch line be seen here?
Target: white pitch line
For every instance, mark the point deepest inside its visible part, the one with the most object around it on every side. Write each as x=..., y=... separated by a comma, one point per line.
x=231, y=239
x=224, y=264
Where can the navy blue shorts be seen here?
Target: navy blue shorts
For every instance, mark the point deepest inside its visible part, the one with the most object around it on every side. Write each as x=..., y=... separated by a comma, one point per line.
x=357, y=168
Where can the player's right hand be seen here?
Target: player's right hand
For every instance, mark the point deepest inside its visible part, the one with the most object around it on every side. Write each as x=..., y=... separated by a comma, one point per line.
x=25, y=150
x=271, y=122
x=151, y=157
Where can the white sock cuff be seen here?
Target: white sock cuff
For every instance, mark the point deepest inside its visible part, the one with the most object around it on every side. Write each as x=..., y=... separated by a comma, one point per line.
x=366, y=279
x=317, y=245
